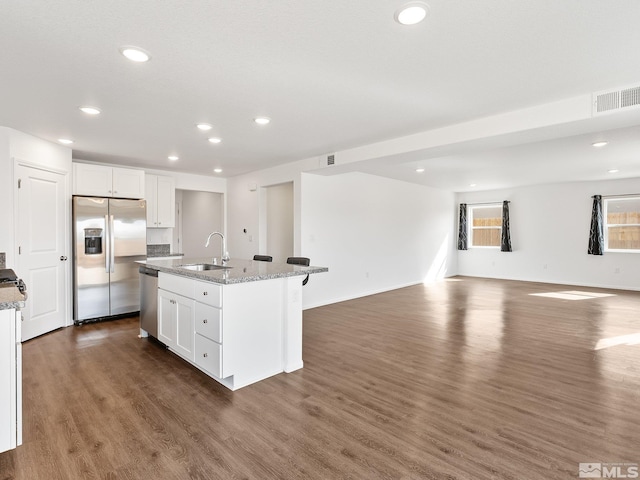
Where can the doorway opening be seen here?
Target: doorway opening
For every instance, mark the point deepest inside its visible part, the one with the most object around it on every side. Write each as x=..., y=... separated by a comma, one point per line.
x=279, y=221
x=197, y=215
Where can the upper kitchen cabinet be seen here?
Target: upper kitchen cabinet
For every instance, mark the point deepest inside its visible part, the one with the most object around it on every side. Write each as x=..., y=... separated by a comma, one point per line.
x=101, y=181
x=161, y=199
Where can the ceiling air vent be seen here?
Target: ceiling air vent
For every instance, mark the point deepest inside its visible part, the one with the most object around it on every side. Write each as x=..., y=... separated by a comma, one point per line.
x=331, y=159
x=615, y=100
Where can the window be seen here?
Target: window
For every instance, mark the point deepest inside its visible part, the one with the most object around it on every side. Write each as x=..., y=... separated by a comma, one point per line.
x=485, y=225
x=622, y=224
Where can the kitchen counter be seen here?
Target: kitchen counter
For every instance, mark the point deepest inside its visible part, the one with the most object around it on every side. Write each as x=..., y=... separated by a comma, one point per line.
x=239, y=271
x=10, y=297
x=240, y=324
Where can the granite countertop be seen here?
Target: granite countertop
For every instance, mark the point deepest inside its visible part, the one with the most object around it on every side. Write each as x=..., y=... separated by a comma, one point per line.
x=10, y=297
x=239, y=271
x=159, y=255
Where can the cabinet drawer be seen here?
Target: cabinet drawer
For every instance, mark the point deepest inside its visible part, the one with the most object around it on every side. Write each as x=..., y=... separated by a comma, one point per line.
x=209, y=321
x=173, y=283
x=208, y=355
x=208, y=293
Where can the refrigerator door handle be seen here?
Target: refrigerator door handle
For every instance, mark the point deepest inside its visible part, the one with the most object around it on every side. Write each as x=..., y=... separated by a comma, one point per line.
x=112, y=248
x=107, y=244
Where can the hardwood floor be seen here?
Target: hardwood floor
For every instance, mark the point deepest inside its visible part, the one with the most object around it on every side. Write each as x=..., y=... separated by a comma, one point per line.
x=463, y=379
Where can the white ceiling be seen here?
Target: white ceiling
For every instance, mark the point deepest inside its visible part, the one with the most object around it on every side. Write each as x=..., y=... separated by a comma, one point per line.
x=331, y=74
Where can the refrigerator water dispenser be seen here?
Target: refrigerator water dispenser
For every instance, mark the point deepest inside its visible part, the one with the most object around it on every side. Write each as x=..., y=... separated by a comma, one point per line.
x=92, y=241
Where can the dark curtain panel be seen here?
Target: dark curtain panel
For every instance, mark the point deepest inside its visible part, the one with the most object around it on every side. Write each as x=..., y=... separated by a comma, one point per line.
x=462, y=227
x=505, y=240
x=596, y=233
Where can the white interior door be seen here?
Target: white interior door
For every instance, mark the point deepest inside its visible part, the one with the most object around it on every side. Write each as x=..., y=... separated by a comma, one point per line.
x=42, y=255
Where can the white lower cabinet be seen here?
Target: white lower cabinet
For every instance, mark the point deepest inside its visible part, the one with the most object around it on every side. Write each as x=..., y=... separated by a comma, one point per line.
x=208, y=330
x=233, y=333
x=209, y=322
x=10, y=380
x=175, y=322
x=208, y=355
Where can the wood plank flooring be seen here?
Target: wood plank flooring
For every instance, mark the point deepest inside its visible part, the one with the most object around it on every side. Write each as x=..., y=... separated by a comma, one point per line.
x=463, y=379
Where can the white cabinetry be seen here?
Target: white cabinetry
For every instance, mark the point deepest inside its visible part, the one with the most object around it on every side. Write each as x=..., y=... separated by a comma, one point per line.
x=175, y=322
x=208, y=328
x=161, y=199
x=236, y=331
x=10, y=380
x=101, y=181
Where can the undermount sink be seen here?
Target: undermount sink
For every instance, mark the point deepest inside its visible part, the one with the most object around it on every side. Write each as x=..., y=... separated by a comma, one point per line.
x=200, y=267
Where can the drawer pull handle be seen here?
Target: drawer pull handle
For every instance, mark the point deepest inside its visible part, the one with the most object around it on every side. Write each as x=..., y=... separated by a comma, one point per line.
x=205, y=355
x=205, y=293
x=205, y=321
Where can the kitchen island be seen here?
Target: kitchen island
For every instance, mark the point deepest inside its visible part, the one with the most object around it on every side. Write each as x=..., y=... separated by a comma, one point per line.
x=239, y=323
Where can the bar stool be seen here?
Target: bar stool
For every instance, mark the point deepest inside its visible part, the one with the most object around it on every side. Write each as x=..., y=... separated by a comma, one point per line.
x=300, y=261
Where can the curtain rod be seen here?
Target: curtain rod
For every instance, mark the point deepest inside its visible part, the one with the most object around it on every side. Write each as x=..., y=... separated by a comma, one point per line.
x=621, y=195
x=487, y=203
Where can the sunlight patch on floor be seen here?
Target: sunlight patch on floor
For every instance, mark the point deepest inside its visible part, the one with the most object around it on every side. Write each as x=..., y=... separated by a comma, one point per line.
x=573, y=295
x=631, y=339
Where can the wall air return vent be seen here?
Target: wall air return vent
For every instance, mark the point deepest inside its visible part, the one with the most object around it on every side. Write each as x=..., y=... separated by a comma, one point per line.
x=331, y=159
x=615, y=100
x=630, y=97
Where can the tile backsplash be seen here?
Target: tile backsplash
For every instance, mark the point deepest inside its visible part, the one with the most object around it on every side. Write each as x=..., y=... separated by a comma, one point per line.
x=158, y=250
x=3, y=260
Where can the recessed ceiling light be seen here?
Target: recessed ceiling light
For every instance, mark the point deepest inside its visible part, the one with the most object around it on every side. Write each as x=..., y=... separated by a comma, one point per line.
x=65, y=141
x=599, y=144
x=262, y=120
x=90, y=110
x=204, y=126
x=472, y=184
x=614, y=170
x=411, y=13
x=173, y=158
x=217, y=170
x=135, y=54
x=215, y=140
x=419, y=170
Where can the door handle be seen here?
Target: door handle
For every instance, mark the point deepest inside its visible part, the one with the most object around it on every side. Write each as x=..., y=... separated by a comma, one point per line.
x=63, y=258
x=112, y=262
x=107, y=236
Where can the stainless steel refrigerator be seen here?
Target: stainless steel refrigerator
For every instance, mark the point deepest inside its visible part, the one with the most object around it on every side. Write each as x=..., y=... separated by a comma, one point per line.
x=109, y=236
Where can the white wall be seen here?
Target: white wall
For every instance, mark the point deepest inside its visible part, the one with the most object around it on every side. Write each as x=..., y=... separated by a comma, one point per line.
x=191, y=181
x=279, y=224
x=7, y=231
x=400, y=233
x=549, y=233
x=246, y=208
x=374, y=234
x=202, y=213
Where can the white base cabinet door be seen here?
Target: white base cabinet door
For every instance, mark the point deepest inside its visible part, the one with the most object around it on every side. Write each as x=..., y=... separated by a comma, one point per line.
x=10, y=380
x=175, y=323
x=208, y=355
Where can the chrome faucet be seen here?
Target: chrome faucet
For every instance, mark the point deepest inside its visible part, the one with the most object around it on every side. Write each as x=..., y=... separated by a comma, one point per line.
x=224, y=255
